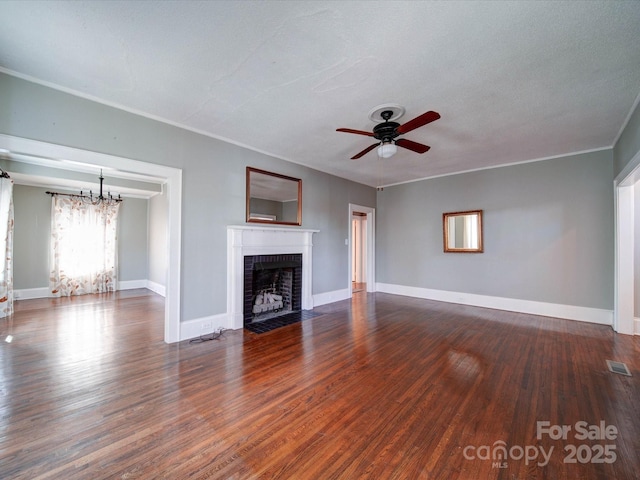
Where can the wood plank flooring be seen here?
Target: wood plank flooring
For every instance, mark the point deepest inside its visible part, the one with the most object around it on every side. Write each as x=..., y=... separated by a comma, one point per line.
x=378, y=387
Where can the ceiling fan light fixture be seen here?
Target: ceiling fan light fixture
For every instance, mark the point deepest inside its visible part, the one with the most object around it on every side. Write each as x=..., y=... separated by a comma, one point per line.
x=387, y=131
x=387, y=150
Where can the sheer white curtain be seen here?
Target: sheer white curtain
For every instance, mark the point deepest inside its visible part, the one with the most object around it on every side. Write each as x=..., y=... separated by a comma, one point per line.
x=6, y=247
x=83, y=247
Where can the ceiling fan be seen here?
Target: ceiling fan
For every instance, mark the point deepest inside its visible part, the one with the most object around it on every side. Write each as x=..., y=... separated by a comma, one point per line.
x=387, y=131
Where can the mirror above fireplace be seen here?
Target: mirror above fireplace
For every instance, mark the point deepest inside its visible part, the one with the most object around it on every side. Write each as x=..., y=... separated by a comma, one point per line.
x=273, y=198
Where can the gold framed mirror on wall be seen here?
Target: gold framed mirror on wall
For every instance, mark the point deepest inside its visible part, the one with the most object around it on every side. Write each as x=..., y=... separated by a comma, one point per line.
x=463, y=232
x=273, y=198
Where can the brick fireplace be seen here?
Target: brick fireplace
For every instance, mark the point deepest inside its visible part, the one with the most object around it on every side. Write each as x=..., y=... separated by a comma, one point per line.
x=272, y=286
x=266, y=241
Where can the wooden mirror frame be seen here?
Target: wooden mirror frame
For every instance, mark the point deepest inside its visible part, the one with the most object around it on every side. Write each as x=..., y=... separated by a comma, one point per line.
x=278, y=179
x=446, y=233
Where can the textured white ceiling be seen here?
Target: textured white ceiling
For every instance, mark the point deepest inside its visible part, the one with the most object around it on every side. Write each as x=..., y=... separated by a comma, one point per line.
x=513, y=81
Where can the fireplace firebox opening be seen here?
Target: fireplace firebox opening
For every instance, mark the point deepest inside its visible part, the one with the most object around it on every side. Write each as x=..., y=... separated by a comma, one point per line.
x=272, y=286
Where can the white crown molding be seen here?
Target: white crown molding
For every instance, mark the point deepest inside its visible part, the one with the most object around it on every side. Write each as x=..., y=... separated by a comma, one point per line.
x=493, y=167
x=626, y=120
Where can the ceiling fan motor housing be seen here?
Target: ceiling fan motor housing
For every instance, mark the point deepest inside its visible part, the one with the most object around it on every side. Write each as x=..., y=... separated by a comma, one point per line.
x=385, y=132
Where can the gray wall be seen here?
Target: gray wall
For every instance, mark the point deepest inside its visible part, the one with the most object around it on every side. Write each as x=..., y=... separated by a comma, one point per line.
x=290, y=211
x=628, y=145
x=283, y=211
x=213, y=175
x=266, y=207
x=548, y=232
x=32, y=230
x=158, y=254
x=32, y=219
x=133, y=245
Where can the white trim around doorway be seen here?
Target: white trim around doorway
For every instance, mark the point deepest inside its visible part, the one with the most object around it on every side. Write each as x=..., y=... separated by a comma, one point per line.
x=624, y=305
x=60, y=156
x=370, y=246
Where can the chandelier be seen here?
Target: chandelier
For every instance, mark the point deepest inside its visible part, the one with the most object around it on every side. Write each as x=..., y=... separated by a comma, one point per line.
x=100, y=199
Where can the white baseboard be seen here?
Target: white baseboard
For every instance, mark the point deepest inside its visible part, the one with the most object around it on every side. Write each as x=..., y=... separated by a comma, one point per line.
x=203, y=326
x=43, y=292
x=570, y=312
x=157, y=288
x=132, y=284
x=31, y=293
x=637, y=325
x=330, y=297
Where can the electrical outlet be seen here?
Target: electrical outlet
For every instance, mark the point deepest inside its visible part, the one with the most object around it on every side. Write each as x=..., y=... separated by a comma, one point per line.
x=206, y=326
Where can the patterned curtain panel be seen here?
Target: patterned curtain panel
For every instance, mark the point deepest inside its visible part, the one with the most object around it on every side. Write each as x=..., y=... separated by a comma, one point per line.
x=6, y=247
x=83, y=247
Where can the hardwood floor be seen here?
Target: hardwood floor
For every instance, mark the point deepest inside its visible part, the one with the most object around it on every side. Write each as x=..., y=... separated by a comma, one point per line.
x=380, y=387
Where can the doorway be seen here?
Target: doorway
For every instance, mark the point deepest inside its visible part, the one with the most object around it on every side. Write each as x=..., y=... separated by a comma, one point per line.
x=358, y=252
x=361, y=249
x=625, y=270
x=70, y=158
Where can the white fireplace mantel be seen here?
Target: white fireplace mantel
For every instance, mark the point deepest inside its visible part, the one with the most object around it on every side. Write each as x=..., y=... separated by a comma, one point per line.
x=243, y=240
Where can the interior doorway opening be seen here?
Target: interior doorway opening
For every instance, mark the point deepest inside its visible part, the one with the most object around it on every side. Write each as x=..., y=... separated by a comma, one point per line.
x=358, y=252
x=361, y=249
x=70, y=158
x=624, y=319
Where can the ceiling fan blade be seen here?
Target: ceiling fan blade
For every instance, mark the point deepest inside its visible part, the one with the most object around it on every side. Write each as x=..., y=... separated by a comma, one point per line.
x=365, y=151
x=351, y=130
x=419, y=121
x=413, y=146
